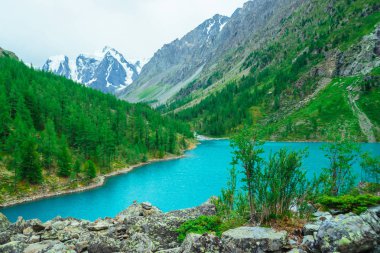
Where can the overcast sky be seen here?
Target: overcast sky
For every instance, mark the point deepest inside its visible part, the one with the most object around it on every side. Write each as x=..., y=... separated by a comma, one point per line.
x=37, y=29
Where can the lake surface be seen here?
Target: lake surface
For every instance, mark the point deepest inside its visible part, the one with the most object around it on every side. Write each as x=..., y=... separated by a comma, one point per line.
x=170, y=185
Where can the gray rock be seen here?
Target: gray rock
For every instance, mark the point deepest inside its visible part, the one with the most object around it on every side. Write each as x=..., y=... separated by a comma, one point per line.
x=99, y=225
x=81, y=246
x=36, y=225
x=174, y=250
x=19, y=238
x=146, y=205
x=139, y=243
x=308, y=243
x=40, y=247
x=138, y=210
x=195, y=243
x=13, y=247
x=296, y=251
x=310, y=228
x=5, y=237
x=28, y=231
x=4, y=223
x=103, y=244
x=161, y=227
x=362, y=57
x=348, y=233
x=254, y=239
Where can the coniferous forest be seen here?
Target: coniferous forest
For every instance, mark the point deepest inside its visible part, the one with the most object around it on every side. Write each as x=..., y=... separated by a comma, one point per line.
x=51, y=126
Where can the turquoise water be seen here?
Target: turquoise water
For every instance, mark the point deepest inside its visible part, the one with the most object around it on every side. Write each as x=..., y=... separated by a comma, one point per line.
x=170, y=185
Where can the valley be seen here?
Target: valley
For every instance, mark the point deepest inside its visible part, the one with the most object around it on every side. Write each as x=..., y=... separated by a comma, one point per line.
x=256, y=131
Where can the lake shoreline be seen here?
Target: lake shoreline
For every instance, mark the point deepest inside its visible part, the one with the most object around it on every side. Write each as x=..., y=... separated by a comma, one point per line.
x=99, y=181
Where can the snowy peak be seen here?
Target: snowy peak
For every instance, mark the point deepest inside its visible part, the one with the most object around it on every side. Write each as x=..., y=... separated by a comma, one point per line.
x=58, y=64
x=107, y=70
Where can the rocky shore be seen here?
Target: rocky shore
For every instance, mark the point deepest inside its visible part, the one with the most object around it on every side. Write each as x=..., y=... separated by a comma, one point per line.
x=144, y=228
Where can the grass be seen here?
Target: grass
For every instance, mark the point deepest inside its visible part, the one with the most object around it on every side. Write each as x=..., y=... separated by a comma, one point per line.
x=349, y=203
x=149, y=92
x=328, y=111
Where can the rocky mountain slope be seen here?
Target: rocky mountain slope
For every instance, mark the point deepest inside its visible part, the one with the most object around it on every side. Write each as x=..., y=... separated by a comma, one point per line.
x=144, y=228
x=310, y=70
x=107, y=71
x=184, y=62
x=6, y=53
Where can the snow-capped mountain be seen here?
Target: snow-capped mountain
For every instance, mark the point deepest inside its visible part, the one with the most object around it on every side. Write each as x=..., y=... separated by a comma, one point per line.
x=107, y=71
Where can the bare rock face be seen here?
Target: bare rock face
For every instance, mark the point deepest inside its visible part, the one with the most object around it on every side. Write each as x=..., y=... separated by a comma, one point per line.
x=363, y=57
x=254, y=239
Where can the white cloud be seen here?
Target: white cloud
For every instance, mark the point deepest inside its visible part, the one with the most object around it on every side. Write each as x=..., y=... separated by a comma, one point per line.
x=37, y=29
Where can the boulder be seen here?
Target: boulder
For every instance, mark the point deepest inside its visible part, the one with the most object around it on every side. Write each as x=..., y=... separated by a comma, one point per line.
x=174, y=250
x=296, y=251
x=195, y=243
x=139, y=243
x=5, y=237
x=161, y=227
x=103, y=244
x=99, y=225
x=254, y=239
x=308, y=243
x=19, y=225
x=13, y=247
x=4, y=223
x=139, y=210
x=36, y=225
x=40, y=247
x=349, y=233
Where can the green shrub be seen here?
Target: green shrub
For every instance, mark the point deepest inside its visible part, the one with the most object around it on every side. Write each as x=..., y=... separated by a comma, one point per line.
x=350, y=203
x=201, y=225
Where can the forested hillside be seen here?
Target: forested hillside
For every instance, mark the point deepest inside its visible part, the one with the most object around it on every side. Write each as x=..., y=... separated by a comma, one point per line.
x=55, y=131
x=305, y=82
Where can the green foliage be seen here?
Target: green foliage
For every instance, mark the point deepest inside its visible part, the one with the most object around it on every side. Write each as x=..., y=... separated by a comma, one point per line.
x=90, y=170
x=68, y=121
x=284, y=184
x=371, y=167
x=64, y=159
x=201, y=225
x=226, y=202
x=246, y=153
x=338, y=179
x=76, y=168
x=29, y=166
x=270, y=188
x=350, y=203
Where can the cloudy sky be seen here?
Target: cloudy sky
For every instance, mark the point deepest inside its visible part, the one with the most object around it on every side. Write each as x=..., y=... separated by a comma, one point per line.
x=37, y=29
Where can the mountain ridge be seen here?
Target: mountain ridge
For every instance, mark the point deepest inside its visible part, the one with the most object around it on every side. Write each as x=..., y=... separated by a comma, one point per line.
x=107, y=71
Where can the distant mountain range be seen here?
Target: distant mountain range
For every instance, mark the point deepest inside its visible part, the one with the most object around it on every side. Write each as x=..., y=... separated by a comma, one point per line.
x=107, y=71
x=208, y=53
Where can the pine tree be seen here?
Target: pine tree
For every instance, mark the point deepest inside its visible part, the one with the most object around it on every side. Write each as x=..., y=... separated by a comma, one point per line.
x=30, y=167
x=76, y=168
x=5, y=117
x=64, y=159
x=91, y=171
x=48, y=146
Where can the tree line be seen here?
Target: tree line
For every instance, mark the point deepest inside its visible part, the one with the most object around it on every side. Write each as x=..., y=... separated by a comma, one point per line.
x=51, y=125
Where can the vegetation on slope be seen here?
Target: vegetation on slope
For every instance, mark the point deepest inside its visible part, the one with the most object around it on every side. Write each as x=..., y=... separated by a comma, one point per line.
x=287, y=71
x=55, y=132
